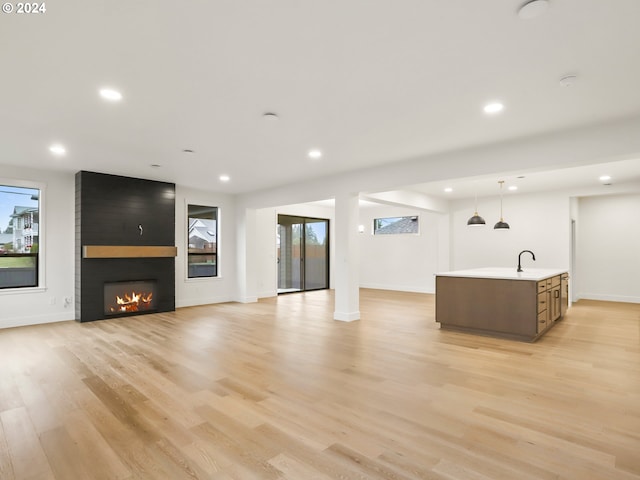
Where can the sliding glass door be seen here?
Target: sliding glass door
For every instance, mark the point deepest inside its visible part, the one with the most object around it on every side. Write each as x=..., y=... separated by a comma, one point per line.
x=303, y=253
x=290, y=254
x=316, y=254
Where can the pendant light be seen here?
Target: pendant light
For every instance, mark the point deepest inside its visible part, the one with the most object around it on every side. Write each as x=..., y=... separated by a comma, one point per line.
x=501, y=224
x=476, y=220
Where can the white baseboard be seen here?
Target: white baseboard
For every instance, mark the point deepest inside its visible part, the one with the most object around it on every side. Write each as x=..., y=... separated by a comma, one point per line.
x=37, y=319
x=246, y=300
x=193, y=302
x=268, y=294
x=399, y=288
x=346, y=316
x=609, y=298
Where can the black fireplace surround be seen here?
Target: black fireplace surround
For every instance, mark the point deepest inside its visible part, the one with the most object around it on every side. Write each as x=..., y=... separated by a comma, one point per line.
x=113, y=210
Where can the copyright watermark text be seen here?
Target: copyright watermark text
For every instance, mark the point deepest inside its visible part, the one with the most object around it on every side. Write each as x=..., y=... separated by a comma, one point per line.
x=24, y=8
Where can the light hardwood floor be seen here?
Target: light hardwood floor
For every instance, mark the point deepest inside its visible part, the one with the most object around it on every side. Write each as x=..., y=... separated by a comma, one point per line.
x=279, y=390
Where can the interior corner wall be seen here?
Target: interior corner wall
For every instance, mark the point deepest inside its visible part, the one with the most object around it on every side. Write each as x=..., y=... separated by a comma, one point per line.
x=316, y=211
x=44, y=305
x=607, y=259
x=267, y=219
x=405, y=262
x=202, y=291
x=266, y=267
x=539, y=222
x=574, y=284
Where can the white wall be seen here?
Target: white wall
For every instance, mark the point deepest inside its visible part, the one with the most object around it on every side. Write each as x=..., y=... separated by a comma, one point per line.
x=57, y=223
x=540, y=223
x=200, y=291
x=607, y=256
x=574, y=283
x=607, y=263
x=617, y=140
x=266, y=220
x=393, y=262
x=401, y=262
x=266, y=267
x=43, y=305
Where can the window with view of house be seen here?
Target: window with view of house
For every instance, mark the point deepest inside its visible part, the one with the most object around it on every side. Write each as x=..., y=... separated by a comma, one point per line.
x=19, y=236
x=395, y=225
x=202, y=255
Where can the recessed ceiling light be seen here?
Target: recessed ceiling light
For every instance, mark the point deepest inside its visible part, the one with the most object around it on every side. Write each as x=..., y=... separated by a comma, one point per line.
x=315, y=154
x=224, y=178
x=110, y=94
x=187, y=150
x=57, y=149
x=493, y=107
x=513, y=188
x=605, y=178
x=270, y=116
x=155, y=165
x=448, y=189
x=533, y=9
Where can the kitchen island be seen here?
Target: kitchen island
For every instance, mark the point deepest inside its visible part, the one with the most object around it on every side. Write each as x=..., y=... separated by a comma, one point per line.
x=501, y=302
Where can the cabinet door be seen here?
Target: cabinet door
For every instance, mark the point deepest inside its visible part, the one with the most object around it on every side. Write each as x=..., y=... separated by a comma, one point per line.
x=555, y=304
x=543, y=321
x=543, y=311
x=564, y=294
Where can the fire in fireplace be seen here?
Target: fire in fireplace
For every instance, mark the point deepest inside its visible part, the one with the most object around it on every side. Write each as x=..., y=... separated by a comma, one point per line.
x=122, y=298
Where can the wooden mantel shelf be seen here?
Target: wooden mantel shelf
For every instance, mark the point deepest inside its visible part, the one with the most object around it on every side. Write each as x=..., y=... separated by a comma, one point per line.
x=128, y=251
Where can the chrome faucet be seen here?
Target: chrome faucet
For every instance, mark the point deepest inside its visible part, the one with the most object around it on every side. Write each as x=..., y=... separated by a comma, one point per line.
x=532, y=255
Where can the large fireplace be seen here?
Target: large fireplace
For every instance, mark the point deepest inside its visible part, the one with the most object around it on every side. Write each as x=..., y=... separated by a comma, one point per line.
x=131, y=297
x=125, y=246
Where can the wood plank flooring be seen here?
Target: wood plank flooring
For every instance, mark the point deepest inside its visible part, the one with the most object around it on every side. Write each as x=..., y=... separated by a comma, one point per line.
x=279, y=390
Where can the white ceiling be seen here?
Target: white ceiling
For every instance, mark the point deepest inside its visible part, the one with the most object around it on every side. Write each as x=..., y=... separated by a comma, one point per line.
x=368, y=82
x=585, y=180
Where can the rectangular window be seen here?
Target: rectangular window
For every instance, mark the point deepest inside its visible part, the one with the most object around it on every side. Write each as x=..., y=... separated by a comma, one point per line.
x=202, y=232
x=395, y=225
x=19, y=236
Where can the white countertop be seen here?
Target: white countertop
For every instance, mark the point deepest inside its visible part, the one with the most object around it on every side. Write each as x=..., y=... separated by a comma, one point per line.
x=504, y=273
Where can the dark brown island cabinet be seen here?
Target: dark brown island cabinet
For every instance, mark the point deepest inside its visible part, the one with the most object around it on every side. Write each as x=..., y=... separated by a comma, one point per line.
x=501, y=302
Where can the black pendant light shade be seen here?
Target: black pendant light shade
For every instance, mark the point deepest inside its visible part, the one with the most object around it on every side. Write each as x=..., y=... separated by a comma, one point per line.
x=501, y=225
x=476, y=220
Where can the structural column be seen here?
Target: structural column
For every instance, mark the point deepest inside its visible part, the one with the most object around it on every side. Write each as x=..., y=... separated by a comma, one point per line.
x=246, y=288
x=347, y=258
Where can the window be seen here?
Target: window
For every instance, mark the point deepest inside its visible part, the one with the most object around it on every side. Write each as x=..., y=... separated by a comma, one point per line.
x=19, y=236
x=395, y=225
x=202, y=257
